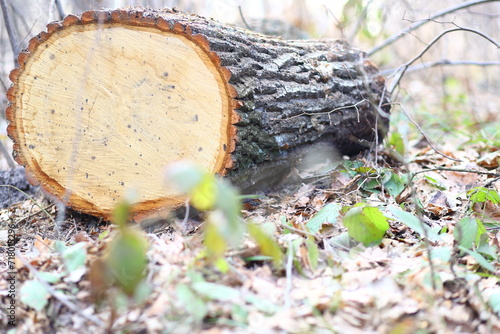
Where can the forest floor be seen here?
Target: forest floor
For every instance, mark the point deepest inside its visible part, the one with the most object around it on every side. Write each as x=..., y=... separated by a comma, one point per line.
x=436, y=269
x=440, y=281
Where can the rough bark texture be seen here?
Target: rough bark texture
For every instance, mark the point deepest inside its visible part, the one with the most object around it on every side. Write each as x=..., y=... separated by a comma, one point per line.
x=284, y=96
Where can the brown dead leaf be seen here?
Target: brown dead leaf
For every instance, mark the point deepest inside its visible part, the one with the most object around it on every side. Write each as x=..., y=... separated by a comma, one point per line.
x=439, y=205
x=488, y=210
x=43, y=246
x=490, y=161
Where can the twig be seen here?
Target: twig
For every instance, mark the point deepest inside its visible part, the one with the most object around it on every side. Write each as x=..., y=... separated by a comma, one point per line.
x=44, y=210
x=458, y=170
x=58, y=295
x=427, y=138
x=31, y=198
x=490, y=182
x=301, y=232
x=59, y=9
x=10, y=30
x=441, y=62
x=418, y=24
x=243, y=18
x=7, y=156
x=288, y=287
x=405, y=67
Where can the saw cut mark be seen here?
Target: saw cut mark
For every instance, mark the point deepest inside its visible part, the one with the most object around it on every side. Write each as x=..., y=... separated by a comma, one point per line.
x=108, y=107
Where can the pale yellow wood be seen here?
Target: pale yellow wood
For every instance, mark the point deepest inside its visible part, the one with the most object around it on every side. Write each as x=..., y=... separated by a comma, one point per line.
x=107, y=109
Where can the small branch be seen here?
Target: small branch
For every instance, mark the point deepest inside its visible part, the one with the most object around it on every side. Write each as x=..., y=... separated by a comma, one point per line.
x=288, y=286
x=10, y=30
x=243, y=19
x=31, y=198
x=427, y=138
x=418, y=24
x=441, y=62
x=405, y=67
x=7, y=156
x=58, y=295
x=59, y=9
x=459, y=170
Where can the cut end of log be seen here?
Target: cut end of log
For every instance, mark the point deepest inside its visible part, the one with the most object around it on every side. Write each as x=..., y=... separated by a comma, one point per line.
x=103, y=102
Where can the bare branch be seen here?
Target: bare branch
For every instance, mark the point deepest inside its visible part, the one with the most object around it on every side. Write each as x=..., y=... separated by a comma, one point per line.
x=418, y=24
x=10, y=29
x=441, y=62
x=405, y=67
x=59, y=9
x=427, y=138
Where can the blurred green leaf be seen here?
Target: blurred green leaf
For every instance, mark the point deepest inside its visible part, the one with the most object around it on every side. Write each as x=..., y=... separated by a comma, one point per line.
x=217, y=291
x=74, y=258
x=366, y=224
x=204, y=194
x=34, y=294
x=396, y=141
x=414, y=223
x=126, y=259
x=214, y=240
x=494, y=301
x=50, y=277
x=185, y=176
x=393, y=183
x=328, y=214
x=479, y=258
x=191, y=301
x=268, y=246
x=468, y=232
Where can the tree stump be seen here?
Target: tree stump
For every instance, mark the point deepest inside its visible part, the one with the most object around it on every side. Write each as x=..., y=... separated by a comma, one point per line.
x=102, y=102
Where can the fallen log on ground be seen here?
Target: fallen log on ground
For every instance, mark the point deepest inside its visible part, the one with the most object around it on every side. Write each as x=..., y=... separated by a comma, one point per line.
x=102, y=102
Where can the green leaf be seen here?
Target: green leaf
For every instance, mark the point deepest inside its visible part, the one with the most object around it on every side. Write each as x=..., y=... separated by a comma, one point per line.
x=34, y=295
x=184, y=176
x=468, y=232
x=266, y=242
x=479, y=258
x=121, y=214
x=50, y=277
x=365, y=170
x=126, y=259
x=74, y=258
x=192, y=303
x=217, y=291
x=328, y=214
x=441, y=253
x=396, y=141
x=494, y=301
x=393, y=183
x=481, y=195
x=486, y=249
x=214, y=240
x=414, y=223
x=366, y=224
x=204, y=194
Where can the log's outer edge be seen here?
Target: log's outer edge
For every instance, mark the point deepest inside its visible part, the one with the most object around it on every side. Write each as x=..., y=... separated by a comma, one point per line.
x=133, y=17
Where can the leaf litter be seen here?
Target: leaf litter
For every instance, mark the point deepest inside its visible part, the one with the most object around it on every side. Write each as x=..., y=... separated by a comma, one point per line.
x=324, y=281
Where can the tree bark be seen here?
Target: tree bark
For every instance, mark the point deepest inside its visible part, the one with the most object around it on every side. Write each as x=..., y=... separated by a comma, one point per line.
x=102, y=102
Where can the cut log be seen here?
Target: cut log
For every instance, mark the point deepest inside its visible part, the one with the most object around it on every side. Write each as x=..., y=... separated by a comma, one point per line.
x=102, y=102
